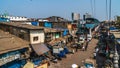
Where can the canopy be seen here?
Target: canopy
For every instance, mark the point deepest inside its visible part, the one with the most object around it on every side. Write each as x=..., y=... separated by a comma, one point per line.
x=40, y=48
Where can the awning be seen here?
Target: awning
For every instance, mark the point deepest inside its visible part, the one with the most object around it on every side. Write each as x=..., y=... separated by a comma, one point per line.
x=40, y=48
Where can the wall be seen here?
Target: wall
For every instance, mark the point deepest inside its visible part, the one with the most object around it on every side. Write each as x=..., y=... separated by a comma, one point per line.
x=37, y=33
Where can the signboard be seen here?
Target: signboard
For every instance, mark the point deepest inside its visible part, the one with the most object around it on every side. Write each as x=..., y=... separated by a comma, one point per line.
x=43, y=66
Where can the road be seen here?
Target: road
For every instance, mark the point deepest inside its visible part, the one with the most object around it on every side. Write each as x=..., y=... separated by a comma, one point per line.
x=77, y=57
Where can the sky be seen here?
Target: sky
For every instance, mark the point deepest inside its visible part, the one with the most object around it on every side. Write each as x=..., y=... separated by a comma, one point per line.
x=62, y=8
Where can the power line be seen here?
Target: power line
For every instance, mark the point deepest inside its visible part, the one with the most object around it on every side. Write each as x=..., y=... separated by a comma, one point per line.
x=110, y=10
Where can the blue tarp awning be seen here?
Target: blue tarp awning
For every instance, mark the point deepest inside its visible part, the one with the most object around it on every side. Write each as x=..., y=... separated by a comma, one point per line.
x=90, y=26
x=113, y=28
x=65, y=32
x=35, y=23
x=16, y=65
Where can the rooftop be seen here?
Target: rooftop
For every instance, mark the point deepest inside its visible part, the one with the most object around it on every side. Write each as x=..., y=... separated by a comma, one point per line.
x=21, y=25
x=52, y=30
x=10, y=42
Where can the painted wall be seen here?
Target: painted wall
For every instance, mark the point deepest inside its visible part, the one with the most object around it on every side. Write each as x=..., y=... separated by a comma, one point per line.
x=37, y=33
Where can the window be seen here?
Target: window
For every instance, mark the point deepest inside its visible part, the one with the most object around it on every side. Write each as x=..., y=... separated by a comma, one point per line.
x=35, y=38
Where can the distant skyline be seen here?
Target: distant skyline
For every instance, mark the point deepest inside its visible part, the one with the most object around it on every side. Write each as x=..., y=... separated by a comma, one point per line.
x=62, y=8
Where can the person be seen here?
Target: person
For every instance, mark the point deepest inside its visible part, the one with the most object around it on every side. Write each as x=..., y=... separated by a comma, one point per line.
x=86, y=46
x=83, y=48
x=76, y=47
x=94, y=54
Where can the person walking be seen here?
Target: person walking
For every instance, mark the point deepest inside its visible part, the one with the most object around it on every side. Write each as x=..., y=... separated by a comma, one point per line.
x=83, y=48
x=86, y=46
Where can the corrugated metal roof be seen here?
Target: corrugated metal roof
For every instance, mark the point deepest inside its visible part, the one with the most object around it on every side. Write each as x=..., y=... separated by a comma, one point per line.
x=40, y=48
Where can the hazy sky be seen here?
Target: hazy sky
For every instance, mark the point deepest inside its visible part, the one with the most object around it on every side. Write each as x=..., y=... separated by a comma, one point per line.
x=63, y=8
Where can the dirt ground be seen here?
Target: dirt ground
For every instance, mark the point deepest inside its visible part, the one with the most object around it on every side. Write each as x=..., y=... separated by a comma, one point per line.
x=76, y=58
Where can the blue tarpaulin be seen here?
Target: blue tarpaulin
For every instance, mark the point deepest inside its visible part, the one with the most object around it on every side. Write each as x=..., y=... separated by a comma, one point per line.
x=37, y=62
x=4, y=19
x=48, y=24
x=112, y=28
x=15, y=65
x=90, y=26
x=65, y=32
x=35, y=23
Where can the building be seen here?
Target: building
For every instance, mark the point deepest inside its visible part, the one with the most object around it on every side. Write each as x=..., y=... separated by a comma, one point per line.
x=87, y=15
x=13, y=51
x=14, y=18
x=56, y=19
x=17, y=18
x=33, y=34
x=2, y=19
x=54, y=24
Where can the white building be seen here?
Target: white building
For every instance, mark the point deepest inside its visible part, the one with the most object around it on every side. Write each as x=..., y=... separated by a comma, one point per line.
x=17, y=18
x=37, y=36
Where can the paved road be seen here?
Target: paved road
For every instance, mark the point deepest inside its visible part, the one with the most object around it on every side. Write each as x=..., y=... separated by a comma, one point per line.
x=76, y=58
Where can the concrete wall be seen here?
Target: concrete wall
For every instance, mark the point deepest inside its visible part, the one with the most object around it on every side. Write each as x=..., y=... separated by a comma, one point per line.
x=37, y=33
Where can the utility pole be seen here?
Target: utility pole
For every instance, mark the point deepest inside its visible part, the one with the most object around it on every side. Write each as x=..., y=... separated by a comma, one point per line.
x=106, y=10
x=109, y=12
